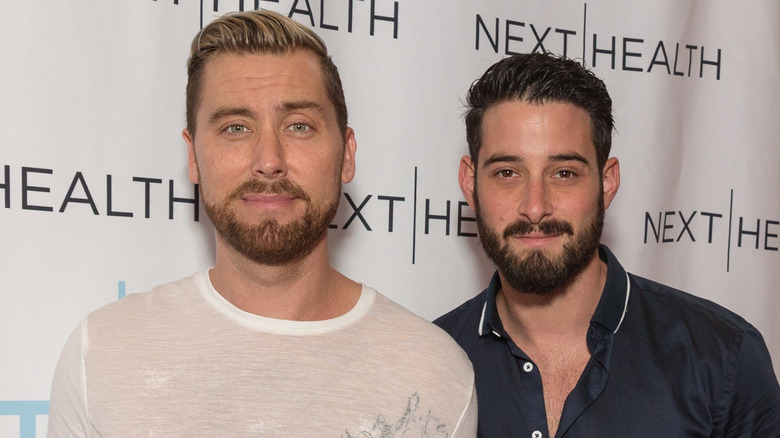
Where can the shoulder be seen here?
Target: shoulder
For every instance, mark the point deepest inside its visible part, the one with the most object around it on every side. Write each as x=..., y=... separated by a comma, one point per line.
x=404, y=320
x=403, y=326
x=463, y=319
x=729, y=356
x=695, y=331
x=139, y=308
x=678, y=319
x=663, y=303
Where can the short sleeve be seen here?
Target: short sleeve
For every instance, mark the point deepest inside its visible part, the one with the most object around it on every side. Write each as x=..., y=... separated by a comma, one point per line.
x=751, y=395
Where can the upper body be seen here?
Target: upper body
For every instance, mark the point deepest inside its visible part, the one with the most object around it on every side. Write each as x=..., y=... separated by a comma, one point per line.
x=181, y=360
x=663, y=363
x=269, y=148
x=540, y=178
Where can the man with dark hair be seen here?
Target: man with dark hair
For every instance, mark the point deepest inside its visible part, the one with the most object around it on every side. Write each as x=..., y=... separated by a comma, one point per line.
x=272, y=341
x=564, y=342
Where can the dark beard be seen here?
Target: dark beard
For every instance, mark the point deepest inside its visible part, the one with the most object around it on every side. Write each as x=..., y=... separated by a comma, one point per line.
x=270, y=243
x=537, y=274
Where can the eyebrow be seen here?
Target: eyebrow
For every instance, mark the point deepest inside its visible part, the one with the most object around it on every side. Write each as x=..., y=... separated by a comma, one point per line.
x=569, y=157
x=502, y=159
x=223, y=112
x=299, y=105
x=517, y=159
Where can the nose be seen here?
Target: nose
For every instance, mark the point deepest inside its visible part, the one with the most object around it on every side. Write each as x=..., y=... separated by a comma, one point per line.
x=536, y=204
x=268, y=160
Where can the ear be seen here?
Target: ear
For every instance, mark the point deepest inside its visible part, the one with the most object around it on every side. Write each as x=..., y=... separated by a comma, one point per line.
x=192, y=162
x=348, y=165
x=466, y=177
x=610, y=179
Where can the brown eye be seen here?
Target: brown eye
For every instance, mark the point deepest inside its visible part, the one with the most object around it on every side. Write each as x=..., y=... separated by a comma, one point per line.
x=565, y=174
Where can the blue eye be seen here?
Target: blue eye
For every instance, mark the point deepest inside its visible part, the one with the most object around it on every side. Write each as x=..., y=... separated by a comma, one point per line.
x=299, y=127
x=237, y=129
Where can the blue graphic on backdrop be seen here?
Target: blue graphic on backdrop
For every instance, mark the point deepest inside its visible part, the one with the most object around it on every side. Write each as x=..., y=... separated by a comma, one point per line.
x=27, y=411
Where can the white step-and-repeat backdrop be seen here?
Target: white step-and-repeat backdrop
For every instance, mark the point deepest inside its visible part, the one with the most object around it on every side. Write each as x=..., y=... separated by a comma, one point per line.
x=95, y=202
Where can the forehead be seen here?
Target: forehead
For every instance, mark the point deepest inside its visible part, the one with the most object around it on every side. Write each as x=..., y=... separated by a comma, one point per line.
x=523, y=128
x=230, y=78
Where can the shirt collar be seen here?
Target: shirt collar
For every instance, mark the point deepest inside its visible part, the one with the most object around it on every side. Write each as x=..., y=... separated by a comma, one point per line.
x=609, y=313
x=614, y=299
x=490, y=319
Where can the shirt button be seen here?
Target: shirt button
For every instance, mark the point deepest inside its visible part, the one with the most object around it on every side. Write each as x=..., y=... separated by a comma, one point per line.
x=528, y=367
x=536, y=434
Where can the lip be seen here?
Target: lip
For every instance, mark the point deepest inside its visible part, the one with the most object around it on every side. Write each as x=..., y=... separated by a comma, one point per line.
x=267, y=200
x=536, y=239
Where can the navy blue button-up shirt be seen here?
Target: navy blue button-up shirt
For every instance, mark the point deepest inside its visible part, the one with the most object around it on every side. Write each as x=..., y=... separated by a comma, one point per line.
x=663, y=364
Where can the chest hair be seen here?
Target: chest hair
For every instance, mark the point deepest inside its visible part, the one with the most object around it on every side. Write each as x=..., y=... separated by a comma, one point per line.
x=560, y=369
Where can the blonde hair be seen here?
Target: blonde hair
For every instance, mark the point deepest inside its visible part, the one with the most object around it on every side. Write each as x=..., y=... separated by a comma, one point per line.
x=260, y=33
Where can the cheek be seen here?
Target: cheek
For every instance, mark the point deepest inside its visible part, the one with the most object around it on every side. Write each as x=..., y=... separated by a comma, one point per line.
x=503, y=211
x=320, y=179
x=580, y=209
x=324, y=167
x=226, y=163
x=216, y=182
x=206, y=187
x=496, y=208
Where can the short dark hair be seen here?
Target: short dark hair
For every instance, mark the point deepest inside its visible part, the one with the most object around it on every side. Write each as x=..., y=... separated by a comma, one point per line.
x=259, y=32
x=538, y=78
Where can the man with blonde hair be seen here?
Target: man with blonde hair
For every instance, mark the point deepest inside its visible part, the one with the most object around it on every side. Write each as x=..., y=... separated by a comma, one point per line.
x=271, y=341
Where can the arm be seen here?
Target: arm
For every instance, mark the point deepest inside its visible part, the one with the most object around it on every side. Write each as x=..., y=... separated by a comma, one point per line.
x=467, y=425
x=68, y=415
x=750, y=399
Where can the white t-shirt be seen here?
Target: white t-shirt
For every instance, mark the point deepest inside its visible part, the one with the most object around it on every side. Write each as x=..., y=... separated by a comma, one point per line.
x=181, y=360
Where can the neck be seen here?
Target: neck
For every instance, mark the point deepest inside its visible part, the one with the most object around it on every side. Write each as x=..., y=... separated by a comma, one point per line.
x=562, y=316
x=308, y=289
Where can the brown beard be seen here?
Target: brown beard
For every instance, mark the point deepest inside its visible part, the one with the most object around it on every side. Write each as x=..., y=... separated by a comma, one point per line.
x=268, y=242
x=536, y=273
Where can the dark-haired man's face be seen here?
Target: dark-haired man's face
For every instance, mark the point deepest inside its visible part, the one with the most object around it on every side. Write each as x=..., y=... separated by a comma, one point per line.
x=538, y=193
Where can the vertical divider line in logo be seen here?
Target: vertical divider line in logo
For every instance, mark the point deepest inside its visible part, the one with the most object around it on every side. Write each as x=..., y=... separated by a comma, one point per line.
x=121, y=290
x=584, y=28
x=414, y=218
x=728, y=248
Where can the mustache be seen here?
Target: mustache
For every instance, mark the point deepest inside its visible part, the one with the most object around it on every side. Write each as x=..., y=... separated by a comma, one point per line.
x=548, y=227
x=283, y=187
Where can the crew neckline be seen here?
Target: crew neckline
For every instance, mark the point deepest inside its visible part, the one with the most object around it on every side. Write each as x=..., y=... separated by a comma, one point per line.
x=283, y=326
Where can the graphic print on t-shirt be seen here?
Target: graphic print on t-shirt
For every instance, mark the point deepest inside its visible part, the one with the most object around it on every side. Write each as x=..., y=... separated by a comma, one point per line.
x=411, y=423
